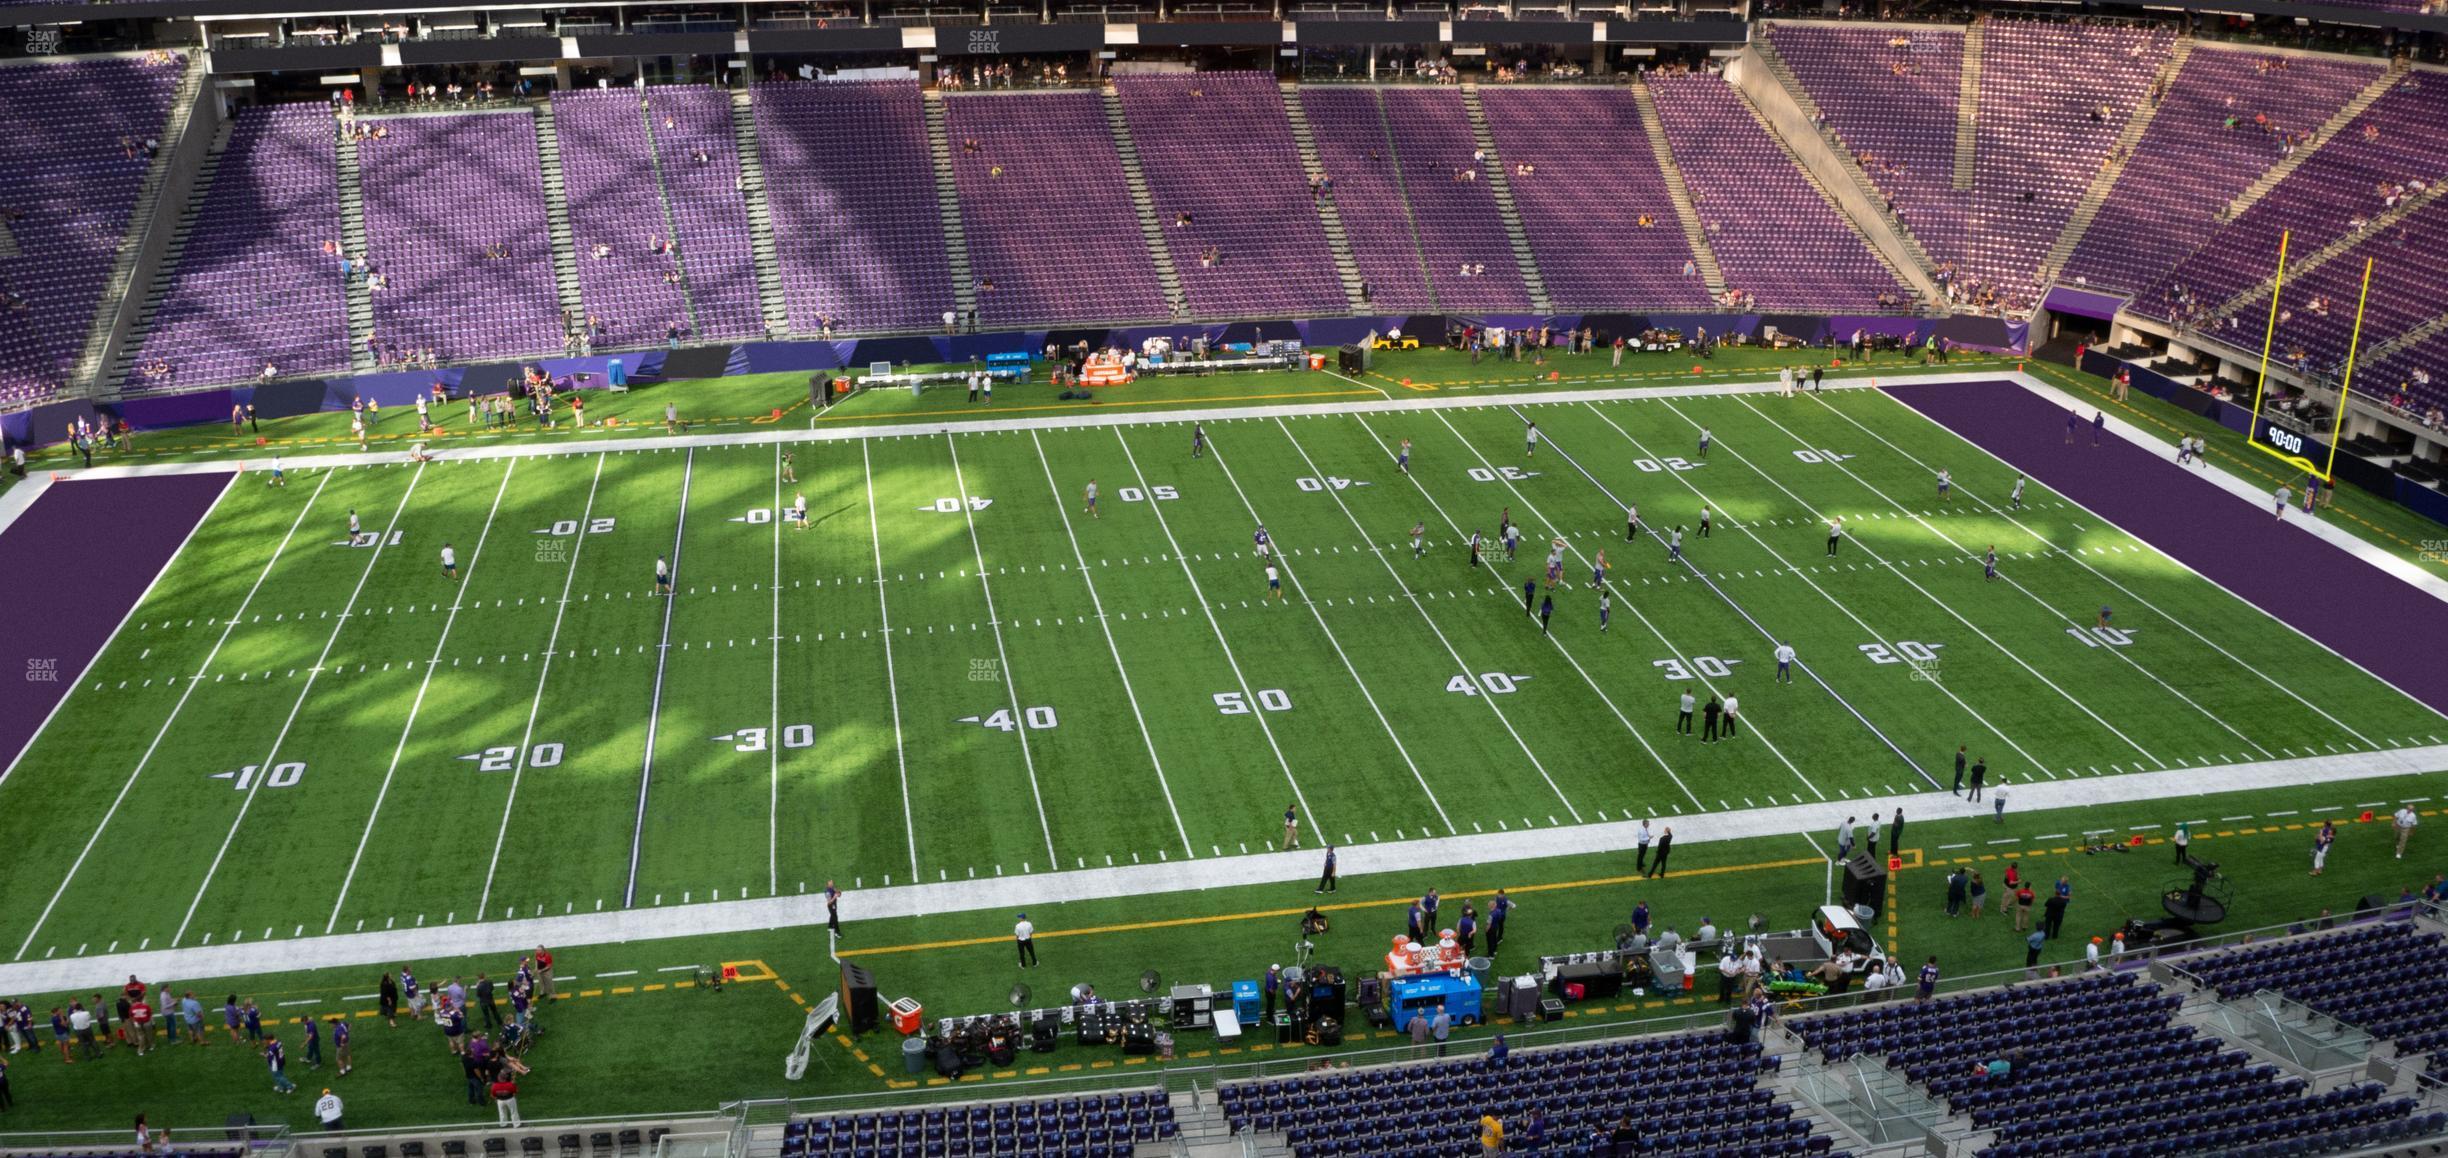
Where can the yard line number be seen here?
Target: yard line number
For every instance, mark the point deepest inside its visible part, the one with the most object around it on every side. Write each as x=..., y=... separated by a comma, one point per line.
x=1820, y=455
x=952, y=506
x=567, y=527
x=1329, y=483
x=1708, y=666
x=1507, y=473
x=1494, y=683
x=283, y=775
x=1135, y=495
x=505, y=757
x=1904, y=651
x=1234, y=704
x=2097, y=636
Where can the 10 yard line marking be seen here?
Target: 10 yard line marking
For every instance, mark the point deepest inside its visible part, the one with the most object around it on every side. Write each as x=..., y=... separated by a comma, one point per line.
x=552, y=644
x=113, y=637
x=192, y=682
x=1299, y=799
x=380, y=545
x=909, y=823
x=1028, y=759
x=654, y=712
x=431, y=666
x=1111, y=647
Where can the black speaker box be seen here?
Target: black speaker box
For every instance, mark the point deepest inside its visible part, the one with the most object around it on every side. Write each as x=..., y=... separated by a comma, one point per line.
x=858, y=995
x=1045, y=1034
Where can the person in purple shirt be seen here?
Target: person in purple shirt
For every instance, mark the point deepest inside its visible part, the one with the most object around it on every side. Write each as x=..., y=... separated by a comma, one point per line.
x=279, y=1061
x=314, y=1043
x=2099, y=424
x=254, y=1022
x=1929, y=981
x=1640, y=917
x=340, y=1046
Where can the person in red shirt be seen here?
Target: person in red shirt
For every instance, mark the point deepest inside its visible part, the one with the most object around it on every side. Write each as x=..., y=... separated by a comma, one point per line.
x=544, y=973
x=140, y=1020
x=505, y=1101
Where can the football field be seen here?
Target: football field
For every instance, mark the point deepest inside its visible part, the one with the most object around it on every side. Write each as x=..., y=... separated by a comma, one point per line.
x=954, y=668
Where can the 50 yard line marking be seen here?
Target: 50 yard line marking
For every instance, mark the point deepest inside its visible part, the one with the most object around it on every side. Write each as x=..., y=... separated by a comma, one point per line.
x=1299, y=798
x=875, y=538
x=552, y=644
x=1128, y=693
x=431, y=666
x=192, y=682
x=2128, y=593
x=139, y=602
x=380, y=545
x=1028, y=759
x=654, y=712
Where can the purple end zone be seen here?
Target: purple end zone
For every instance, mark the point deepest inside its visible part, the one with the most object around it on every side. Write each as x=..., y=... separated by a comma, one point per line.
x=79, y=558
x=2353, y=607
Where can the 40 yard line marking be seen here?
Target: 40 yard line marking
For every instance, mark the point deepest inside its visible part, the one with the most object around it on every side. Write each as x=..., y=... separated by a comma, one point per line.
x=875, y=538
x=2122, y=590
x=1028, y=759
x=113, y=637
x=654, y=712
x=1299, y=798
x=380, y=545
x=431, y=666
x=192, y=682
x=552, y=644
x=1128, y=693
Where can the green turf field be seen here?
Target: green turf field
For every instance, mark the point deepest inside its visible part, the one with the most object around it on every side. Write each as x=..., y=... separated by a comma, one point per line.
x=955, y=670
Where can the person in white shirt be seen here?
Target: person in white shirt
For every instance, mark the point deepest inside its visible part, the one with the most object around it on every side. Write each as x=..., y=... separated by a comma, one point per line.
x=1706, y=933
x=2279, y=499
x=1784, y=658
x=1874, y=982
x=1024, y=935
x=2091, y=955
x=450, y=562
x=327, y=1110
x=1733, y=710
x=2405, y=821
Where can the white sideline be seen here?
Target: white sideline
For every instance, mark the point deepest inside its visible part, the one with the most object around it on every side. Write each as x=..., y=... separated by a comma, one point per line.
x=1037, y=890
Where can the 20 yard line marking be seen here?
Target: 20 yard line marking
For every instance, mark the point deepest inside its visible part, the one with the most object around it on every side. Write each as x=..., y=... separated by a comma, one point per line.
x=193, y=682
x=552, y=643
x=431, y=666
x=1028, y=759
x=654, y=711
x=909, y=823
x=1299, y=798
x=1128, y=693
x=380, y=545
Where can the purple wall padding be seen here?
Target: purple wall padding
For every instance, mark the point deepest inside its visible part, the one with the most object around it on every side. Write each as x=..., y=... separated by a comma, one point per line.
x=124, y=531
x=2356, y=609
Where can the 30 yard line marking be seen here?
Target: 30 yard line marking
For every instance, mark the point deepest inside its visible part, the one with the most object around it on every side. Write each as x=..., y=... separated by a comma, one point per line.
x=380, y=545
x=909, y=824
x=229, y=625
x=1300, y=800
x=1450, y=651
x=1848, y=613
x=773, y=790
x=2011, y=581
x=431, y=666
x=552, y=643
x=654, y=711
x=1028, y=758
x=2123, y=590
x=1063, y=509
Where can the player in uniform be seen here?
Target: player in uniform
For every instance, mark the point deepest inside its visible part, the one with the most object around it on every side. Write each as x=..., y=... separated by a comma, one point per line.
x=2281, y=497
x=1989, y=564
x=1835, y=535
x=2184, y=450
x=450, y=562
x=662, y=575
x=1419, y=537
x=1402, y=458
x=1606, y=604
x=1089, y=503
x=1474, y=549
x=1263, y=543
x=1784, y=658
x=1631, y=522
x=1274, y=583
x=1198, y=439
x=2017, y=495
x=798, y=512
x=1704, y=520
x=1946, y=484
x=1674, y=545
x=1531, y=450
x=1598, y=571
x=1704, y=441
x=352, y=531
x=1512, y=540
x=789, y=473
x=278, y=479
x=357, y=430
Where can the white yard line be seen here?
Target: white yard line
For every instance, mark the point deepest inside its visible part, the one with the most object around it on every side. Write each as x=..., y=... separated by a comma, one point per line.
x=1129, y=693
x=113, y=637
x=346, y=611
x=1834, y=602
x=432, y=665
x=1552, y=641
x=535, y=706
x=1630, y=605
x=773, y=707
x=1300, y=800
x=236, y=614
x=1011, y=689
x=990, y=894
x=1413, y=598
x=2020, y=589
x=654, y=711
x=892, y=682
x=2121, y=588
